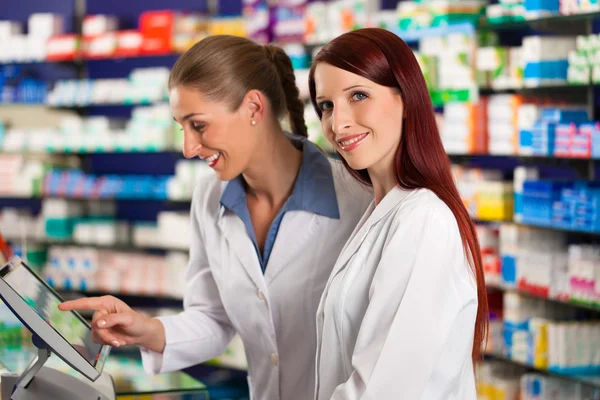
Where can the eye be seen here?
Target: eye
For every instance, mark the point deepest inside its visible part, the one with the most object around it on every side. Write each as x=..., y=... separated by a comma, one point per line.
x=359, y=96
x=325, y=105
x=197, y=127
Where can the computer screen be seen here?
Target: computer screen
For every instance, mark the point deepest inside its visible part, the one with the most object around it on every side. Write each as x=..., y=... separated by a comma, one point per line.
x=44, y=301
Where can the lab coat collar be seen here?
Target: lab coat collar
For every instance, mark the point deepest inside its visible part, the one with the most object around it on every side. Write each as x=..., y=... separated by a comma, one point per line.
x=313, y=191
x=234, y=231
x=372, y=216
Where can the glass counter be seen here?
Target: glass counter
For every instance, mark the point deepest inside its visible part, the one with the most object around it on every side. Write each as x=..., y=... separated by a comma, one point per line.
x=131, y=381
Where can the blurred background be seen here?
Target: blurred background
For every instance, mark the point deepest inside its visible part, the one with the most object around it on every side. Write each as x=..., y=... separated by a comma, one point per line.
x=95, y=194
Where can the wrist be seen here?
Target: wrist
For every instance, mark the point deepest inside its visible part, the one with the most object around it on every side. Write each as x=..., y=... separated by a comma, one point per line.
x=154, y=337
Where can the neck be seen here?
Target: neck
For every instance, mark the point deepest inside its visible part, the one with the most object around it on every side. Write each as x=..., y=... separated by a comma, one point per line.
x=383, y=179
x=274, y=168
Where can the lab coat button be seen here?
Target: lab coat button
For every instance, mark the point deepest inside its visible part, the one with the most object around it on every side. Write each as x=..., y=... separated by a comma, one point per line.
x=275, y=359
x=260, y=294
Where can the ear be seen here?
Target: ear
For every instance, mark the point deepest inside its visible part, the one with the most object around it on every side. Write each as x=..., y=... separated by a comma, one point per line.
x=254, y=104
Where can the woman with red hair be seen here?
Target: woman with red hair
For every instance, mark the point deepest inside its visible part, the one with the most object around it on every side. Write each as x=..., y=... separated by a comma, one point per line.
x=404, y=313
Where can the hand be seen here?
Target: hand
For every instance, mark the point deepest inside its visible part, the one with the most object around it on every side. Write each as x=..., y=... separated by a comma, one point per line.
x=115, y=323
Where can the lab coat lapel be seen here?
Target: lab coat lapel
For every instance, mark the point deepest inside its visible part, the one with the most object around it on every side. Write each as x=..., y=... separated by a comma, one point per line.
x=234, y=231
x=371, y=218
x=294, y=237
x=353, y=243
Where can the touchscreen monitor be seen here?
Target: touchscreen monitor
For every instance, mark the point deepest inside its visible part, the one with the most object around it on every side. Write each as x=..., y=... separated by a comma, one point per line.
x=35, y=303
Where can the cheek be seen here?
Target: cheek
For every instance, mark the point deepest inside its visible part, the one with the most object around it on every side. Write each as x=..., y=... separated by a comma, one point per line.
x=326, y=127
x=370, y=113
x=221, y=134
x=385, y=121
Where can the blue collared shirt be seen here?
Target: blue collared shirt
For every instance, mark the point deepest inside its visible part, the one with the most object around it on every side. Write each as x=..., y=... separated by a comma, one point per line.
x=313, y=191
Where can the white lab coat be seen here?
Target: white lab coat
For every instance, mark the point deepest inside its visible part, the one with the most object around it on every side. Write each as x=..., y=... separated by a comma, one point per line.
x=274, y=313
x=397, y=317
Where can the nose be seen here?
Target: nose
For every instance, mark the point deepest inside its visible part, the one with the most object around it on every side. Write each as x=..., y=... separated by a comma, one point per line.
x=191, y=144
x=342, y=119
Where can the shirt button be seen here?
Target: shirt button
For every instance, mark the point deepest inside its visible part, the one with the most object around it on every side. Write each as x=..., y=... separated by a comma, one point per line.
x=275, y=359
x=260, y=294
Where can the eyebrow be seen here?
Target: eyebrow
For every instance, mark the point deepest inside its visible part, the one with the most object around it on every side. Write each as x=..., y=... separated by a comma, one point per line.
x=352, y=87
x=188, y=116
x=344, y=90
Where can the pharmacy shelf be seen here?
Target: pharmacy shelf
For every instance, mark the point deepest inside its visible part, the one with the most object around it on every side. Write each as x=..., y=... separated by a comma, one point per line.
x=19, y=104
x=414, y=35
x=591, y=380
x=485, y=91
x=539, y=226
x=484, y=221
x=83, y=107
x=576, y=304
x=73, y=63
x=80, y=61
x=173, y=152
x=126, y=247
x=551, y=20
x=467, y=157
x=131, y=299
x=557, y=228
x=75, y=198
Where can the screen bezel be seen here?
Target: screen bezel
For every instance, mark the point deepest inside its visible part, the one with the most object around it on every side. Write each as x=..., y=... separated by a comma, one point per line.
x=48, y=334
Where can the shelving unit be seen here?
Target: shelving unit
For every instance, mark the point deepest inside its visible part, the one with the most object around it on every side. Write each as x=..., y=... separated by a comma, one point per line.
x=126, y=247
x=549, y=21
x=172, y=202
x=80, y=153
x=589, y=380
x=586, y=168
x=413, y=36
x=133, y=300
x=546, y=227
x=576, y=304
x=102, y=68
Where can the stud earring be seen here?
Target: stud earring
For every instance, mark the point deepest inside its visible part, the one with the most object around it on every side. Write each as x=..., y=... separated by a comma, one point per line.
x=253, y=123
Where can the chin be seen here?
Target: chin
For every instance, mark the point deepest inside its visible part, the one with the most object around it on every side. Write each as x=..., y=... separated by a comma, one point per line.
x=358, y=163
x=225, y=175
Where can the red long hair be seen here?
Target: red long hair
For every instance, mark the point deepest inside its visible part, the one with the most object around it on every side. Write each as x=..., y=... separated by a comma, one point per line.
x=421, y=161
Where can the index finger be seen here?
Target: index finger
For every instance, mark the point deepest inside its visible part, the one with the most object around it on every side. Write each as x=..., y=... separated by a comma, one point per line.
x=85, y=303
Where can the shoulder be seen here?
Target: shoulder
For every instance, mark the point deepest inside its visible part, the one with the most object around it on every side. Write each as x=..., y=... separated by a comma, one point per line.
x=351, y=193
x=423, y=208
x=425, y=227
x=425, y=203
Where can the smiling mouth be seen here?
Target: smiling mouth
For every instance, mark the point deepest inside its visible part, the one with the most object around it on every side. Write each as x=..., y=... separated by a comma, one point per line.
x=212, y=160
x=352, y=142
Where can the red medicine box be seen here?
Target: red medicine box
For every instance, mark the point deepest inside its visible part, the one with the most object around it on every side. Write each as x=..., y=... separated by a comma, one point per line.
x=129, y=43
x=62, y=48
x=157, y=31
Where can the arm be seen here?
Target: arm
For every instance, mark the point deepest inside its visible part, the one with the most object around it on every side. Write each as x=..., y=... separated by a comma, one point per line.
x=417, y=333
x=203, y=330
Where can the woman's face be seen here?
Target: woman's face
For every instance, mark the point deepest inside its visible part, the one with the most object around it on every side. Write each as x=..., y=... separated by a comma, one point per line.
x=361, y=119
x=213, y=132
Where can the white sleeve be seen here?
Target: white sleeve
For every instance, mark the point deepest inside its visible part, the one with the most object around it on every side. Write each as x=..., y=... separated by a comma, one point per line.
x=203, y=330
x=416, y=338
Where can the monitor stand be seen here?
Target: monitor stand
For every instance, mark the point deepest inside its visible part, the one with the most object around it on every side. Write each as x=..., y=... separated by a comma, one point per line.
x=38, y=382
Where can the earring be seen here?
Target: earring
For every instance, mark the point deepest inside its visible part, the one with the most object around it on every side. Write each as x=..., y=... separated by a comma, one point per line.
x=253, y=123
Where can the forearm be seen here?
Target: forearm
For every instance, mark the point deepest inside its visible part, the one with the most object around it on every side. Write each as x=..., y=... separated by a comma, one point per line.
x=187, y=339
